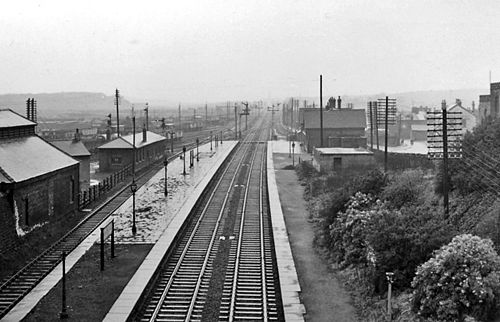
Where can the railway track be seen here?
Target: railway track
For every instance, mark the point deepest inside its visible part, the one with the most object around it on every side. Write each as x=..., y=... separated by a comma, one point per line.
x=222, y=265
x=17, y=286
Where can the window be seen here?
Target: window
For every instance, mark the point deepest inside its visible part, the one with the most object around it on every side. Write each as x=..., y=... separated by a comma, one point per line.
x=337, y=164
x=116, y=159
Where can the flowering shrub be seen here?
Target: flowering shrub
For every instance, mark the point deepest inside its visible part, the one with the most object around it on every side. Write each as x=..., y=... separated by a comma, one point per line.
x=349, y=229
x=462, y=278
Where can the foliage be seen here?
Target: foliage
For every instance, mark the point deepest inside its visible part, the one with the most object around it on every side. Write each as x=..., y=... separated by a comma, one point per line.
x=461, y=278
x=403, y=239
x=408, y=187
x=349, y=229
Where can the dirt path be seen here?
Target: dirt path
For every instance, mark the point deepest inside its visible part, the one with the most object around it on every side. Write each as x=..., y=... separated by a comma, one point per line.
x=323, y=296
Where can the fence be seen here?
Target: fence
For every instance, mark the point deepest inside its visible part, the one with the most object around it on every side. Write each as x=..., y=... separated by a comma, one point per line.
x=401, y=161
x=93, y=193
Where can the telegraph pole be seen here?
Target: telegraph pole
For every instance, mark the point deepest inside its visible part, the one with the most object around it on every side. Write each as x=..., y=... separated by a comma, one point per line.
x=206, y=115
x=371, y=125
x=444, y=126
x=235, y=122
x=117, y=102
x=180, y=124
x=321, y=109
x=376, y=124
x=445, y=158
x=386, y=131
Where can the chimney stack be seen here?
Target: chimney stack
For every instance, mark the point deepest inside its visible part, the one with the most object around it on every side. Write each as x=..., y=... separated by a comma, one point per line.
x=144, y=134
x=76, y=138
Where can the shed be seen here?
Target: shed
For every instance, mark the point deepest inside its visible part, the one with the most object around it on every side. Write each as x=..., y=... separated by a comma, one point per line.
x=338, y=159
x=117, y=154
x=77, y=150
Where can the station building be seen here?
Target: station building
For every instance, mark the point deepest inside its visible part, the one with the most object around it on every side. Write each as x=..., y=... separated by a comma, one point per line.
x=77, y=150
x=117, y=154
x=38, y=182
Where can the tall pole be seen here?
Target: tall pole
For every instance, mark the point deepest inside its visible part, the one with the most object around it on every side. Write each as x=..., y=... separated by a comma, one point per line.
x=236, y=122
x=146, y=110
x=371, y=125
x=64, y=313
x=134, y=186
x=180, y=123
x=445, y=158
x=375, y=104
x=386, y=131
x=117, y=102
x=206, y=115
x=321, y=110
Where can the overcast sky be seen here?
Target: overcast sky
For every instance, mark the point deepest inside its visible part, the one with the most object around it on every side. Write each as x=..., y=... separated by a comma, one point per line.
x=181, y=50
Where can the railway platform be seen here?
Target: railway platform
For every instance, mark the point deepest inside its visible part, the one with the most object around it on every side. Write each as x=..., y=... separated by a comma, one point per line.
x=183, y=190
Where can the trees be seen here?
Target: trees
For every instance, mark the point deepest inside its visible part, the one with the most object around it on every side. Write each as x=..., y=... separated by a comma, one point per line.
x=462, y=278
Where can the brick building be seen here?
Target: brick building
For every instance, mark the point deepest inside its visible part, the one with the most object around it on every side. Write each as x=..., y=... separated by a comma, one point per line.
x=77, y=150
x=342, y=127
x=38, y=182
x=117, y=154
x=340, y=159
x=489, y=105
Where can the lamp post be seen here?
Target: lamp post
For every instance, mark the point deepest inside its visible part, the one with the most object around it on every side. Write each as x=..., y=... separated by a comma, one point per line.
x=184, y=159
x=63, y=314
x=390, y=280
x=172, y=141
x=197, y=153
x=293, y=154
x=221, y=137
x=289, y=146
x=133, y=188
x=165, y=163
x=210, y=140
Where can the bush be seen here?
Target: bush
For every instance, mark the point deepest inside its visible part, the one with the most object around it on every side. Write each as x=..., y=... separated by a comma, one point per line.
x=406, y=188
x=463, y=278
x=403, y=239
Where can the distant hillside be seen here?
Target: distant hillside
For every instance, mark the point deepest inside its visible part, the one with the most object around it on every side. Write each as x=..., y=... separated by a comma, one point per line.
x=408, y=99
x=75, y=104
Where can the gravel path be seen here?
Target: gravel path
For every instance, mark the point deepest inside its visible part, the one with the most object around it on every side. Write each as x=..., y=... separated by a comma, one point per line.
x=323, y=296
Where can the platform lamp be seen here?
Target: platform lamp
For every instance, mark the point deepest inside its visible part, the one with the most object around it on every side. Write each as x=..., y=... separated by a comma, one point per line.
x=210, y=140
x=184, y=159
x=197, y=153
x=133, y=188
x=221, y=136
x=293, y=154
x=165, y=164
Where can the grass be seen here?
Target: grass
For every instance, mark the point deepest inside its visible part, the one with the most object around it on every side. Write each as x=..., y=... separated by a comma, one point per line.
x=90, y=292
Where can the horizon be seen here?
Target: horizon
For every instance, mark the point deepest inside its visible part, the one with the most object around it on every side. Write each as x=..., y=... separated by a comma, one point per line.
x=218, y=50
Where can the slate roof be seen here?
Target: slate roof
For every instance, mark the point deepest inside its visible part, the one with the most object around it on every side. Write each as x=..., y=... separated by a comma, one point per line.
x=73, y=148
x=9, y=118
x=335, y=119
x=29, y=157
x=125, y=142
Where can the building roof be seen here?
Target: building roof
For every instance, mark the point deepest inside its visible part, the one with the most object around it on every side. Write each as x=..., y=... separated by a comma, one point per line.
x=334, y=119
x=9, y=118
x=459, y=108
x=29, y=157
x=344, y=151
x=125, y=142
x=73, y=148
